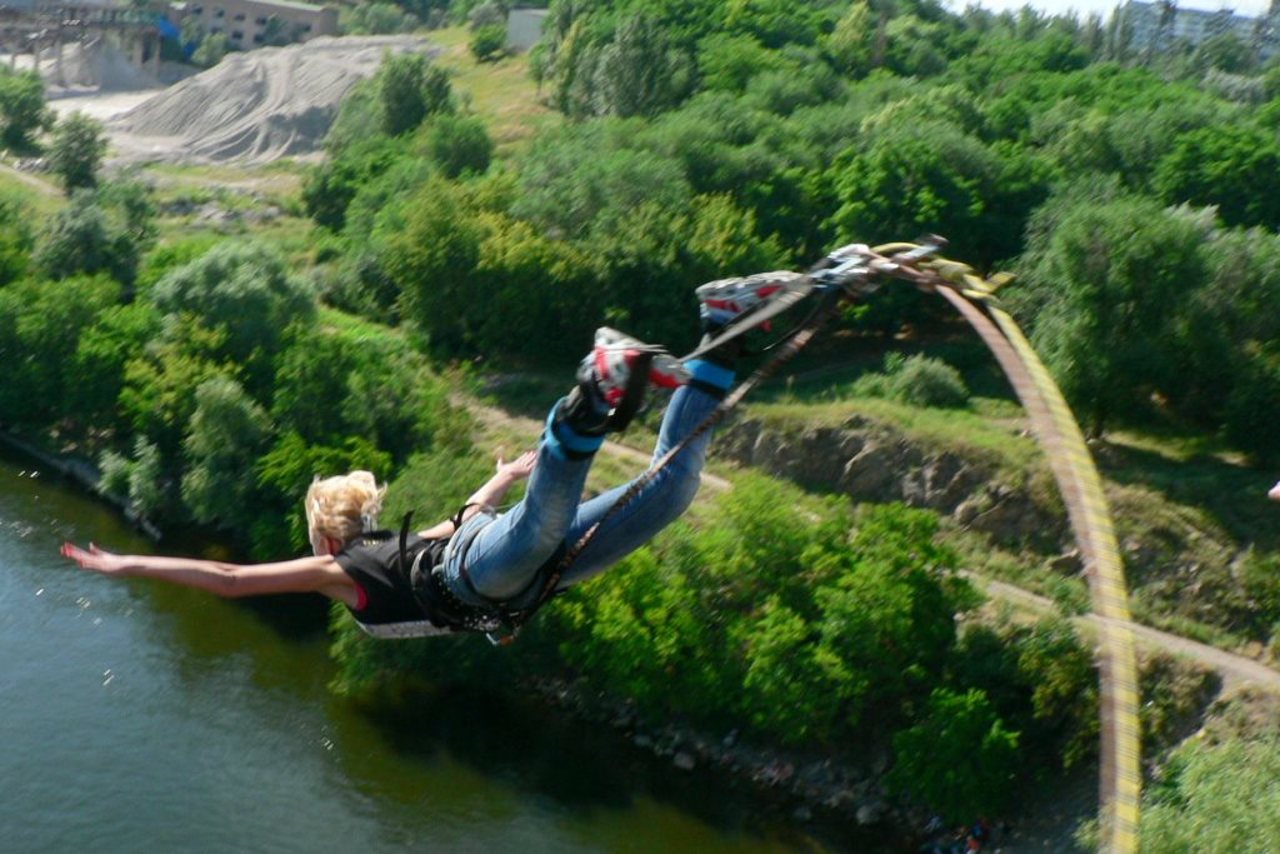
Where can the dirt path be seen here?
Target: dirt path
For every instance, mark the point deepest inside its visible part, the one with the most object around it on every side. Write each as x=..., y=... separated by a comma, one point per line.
x=492, y=417
x=39, y=184
x=1236, y=670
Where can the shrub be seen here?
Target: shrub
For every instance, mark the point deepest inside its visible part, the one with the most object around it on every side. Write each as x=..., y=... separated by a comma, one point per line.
x=489, y=42
x=916, y=380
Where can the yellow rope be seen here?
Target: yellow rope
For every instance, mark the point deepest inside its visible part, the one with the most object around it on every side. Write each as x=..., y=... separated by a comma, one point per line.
x=1120, y=783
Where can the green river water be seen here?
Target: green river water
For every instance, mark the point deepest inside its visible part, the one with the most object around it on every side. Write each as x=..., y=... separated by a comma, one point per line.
x=139, y=717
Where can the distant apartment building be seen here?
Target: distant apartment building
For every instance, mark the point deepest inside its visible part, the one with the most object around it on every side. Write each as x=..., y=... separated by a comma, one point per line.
x=254, y=23
x=1158, y=26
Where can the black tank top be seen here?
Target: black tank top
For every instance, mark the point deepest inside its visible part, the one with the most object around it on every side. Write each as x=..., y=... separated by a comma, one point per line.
x=373, y=562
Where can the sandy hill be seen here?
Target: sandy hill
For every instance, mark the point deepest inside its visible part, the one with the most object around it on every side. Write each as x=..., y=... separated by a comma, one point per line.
x=256, y=106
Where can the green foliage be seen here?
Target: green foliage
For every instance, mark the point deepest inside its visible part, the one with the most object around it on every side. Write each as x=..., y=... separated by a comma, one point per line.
x=1042, y=681
x=147, y=495
x=376, y=18
x=15, y=240
x=75, y=154
x=283, y=474
x=459, y=144
x=916, y=380
x=928, y=177
x=809, y=626
x=578, y=179
x=102, y=355
x=226, y=433
x=85, y=238
x=1108, y=281
x=410, y=89
x=1234, y=167
x=1215, y=797
x=42, y=322
x=23, y=113
x=158, y=261
x=598, y=65
x=245, y=295
x=489, y=42
x=329, y=189
x=960, y=758
x=211, y=50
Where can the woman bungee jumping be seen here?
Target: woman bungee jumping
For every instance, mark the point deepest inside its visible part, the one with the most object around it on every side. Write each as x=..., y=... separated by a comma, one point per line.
x=481, y=570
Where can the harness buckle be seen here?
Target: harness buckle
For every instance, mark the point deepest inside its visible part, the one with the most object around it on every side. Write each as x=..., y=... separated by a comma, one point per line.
x=502, y=640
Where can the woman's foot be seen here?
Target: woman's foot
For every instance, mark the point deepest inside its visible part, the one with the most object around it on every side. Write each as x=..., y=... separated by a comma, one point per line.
x=613, y=379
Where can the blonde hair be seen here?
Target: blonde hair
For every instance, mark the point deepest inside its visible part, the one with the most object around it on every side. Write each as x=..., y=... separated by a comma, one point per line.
x=343, y=507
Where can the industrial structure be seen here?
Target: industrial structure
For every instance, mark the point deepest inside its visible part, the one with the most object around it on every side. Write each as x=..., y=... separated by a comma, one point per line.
x=1161, y=25
x=255, y=23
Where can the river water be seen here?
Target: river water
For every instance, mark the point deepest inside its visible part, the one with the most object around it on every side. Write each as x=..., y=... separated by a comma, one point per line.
x=136, y=716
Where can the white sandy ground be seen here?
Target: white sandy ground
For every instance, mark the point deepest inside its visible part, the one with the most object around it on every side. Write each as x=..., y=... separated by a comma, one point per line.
x=252, y=108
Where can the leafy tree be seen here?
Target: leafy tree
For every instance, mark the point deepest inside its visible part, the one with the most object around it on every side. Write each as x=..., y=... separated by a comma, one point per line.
x=329, y=189
x=88, y=236
x=42, y=323
x=410, y=89
x=23, y=113
x=245, y=295
x=459, y=144
x=375, y=18
x=1106, y=280
x=158, y=397
x=639, y=73
x=1235, y=167
x=580, y=179
x=432, y=261
x=1225, y=52
x=76, y=152
x=927, y=177
x=147, y=490
x=727, y=62
x=850, y=45
x=102, y=354
x=960, y=758
x=226, y=434
x=775, y=22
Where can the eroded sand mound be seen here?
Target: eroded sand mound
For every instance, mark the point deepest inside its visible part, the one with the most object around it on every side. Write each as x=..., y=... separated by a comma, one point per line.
x=256, y=106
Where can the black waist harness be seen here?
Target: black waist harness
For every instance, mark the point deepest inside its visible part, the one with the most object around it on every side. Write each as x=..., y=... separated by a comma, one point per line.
x=406, y=595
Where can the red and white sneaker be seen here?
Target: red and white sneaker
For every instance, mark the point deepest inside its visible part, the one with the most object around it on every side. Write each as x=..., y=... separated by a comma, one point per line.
x=620, y=369
x=619, y=361
x=725, y=300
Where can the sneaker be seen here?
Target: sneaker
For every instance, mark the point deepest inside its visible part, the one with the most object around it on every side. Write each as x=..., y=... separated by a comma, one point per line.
x=725, y=300
x=619, y=361
x=613, y=378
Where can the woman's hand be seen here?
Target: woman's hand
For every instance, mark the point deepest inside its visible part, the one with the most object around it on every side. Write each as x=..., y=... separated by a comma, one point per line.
x=519, y=468
x=95, y=558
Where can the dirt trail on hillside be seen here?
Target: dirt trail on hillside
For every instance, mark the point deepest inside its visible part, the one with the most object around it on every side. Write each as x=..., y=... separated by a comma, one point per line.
x=1236, y=670
x=491, y=416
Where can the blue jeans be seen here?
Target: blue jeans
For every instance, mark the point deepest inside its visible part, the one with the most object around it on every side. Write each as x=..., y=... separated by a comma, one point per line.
x=502, y=554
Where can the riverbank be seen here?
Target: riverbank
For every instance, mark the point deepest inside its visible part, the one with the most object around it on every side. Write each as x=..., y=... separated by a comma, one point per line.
x=83, y=473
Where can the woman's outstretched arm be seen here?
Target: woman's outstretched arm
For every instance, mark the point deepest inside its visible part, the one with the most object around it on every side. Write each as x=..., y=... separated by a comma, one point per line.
x=303, y=575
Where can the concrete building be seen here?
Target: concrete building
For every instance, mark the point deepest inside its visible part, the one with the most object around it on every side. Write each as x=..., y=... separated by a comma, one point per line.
x=1158, y=26
x=255, y=23
x=524, y=28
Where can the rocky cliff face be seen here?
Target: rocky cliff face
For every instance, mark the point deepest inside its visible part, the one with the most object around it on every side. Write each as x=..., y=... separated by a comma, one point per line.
x=869, y=461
